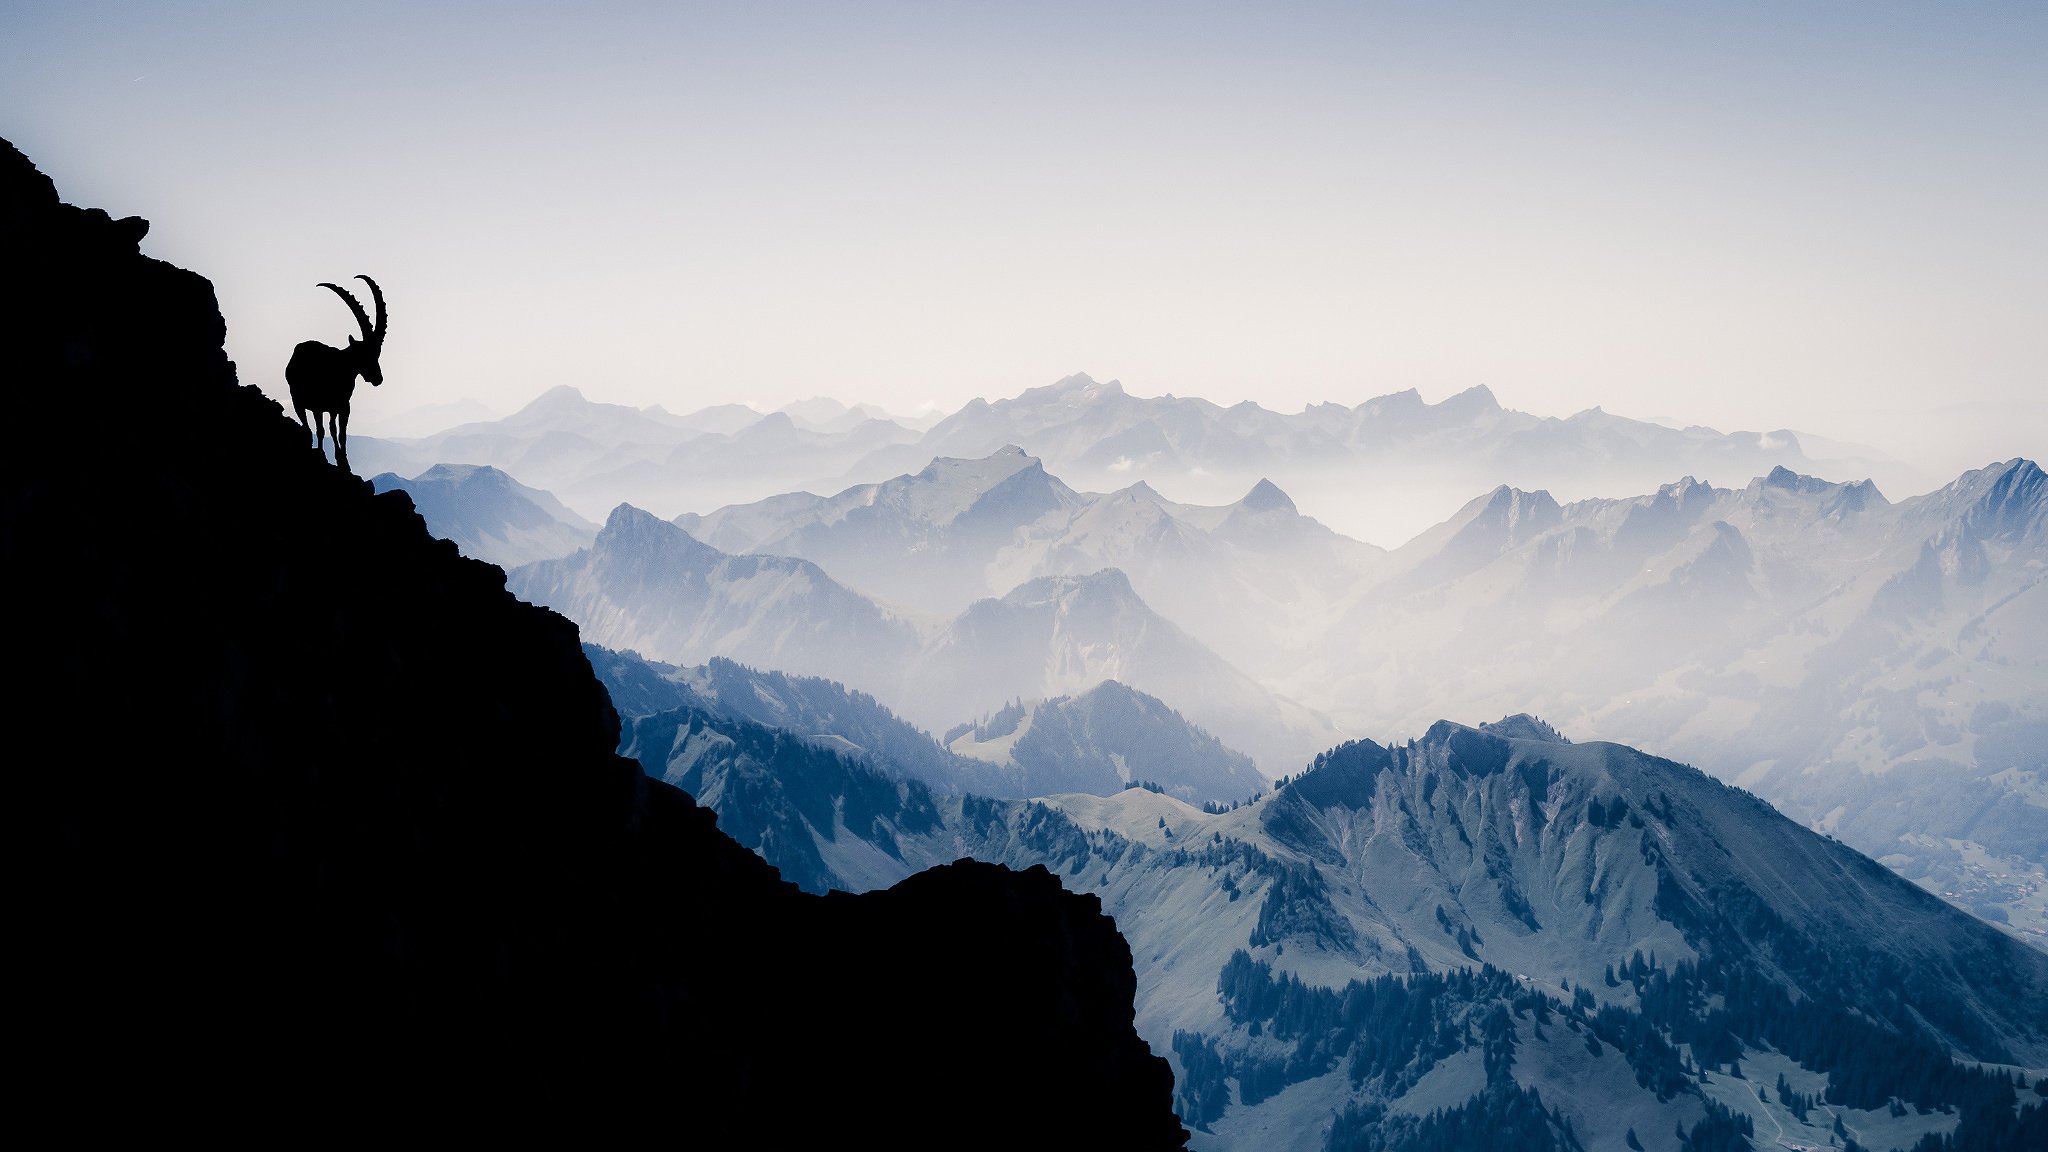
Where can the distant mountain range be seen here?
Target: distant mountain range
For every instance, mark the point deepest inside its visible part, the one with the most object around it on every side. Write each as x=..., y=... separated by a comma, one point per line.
x=1876, y=669
x=1867, y=665
x=1487, y=937
x=1243, y=578
x=1380, y=470
x=648, y=586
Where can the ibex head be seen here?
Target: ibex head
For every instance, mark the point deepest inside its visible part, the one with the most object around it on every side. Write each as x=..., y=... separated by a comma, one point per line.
x=367, y=349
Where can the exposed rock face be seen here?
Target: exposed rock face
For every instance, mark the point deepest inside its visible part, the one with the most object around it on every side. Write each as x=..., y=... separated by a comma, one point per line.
x=323, y=829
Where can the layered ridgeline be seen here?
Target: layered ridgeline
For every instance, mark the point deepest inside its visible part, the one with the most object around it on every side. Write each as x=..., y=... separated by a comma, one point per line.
x=1101, y=741
x=1488, y=938
x=647, y=585
x=1392, y=464
x=324, y=832
x=1872, y=667
x=596, y=456
x=1251, y=579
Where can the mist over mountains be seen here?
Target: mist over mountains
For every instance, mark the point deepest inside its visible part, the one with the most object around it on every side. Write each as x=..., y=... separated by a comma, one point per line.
x=1871, y=666
x=1380, y=470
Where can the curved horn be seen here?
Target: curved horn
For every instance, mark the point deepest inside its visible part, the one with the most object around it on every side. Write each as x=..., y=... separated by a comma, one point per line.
x=370, y=335
x=377, y=297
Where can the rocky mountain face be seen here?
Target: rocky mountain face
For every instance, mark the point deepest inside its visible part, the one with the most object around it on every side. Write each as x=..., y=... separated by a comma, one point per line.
x=1484, y=938
x=324, y=832
x=490, y=516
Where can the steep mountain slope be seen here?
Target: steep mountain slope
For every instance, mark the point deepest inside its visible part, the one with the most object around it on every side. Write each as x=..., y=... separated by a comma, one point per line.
x=1490, y=938
x=324, y=834
x=491, y=516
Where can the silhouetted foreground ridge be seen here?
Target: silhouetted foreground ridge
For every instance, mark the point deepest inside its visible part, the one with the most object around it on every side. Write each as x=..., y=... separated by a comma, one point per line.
x=322, y=828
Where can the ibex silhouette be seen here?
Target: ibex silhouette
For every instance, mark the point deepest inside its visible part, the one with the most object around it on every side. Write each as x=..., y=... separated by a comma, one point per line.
x=323, y=377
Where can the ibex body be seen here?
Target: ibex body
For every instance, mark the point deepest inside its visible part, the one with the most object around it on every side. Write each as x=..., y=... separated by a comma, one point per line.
x=323, y=377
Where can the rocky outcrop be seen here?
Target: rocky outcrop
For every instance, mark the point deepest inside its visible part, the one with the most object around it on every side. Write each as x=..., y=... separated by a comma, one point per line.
x=322, y=830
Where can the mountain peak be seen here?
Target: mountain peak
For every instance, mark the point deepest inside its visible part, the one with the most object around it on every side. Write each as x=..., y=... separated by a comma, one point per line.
x=1472, y=401
x=560, y=396
x=1518, y=506
x=1081, y=386
x=777, y=421
x=625, y=517
x=1783, y=477
x=949, y=485
x=1522, y=726
x=1046, y=589
x=1266, y=496
x=458, y=473
x=2008, y=497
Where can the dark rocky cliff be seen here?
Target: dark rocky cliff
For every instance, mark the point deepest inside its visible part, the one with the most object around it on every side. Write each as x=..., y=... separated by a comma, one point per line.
x=319, y=828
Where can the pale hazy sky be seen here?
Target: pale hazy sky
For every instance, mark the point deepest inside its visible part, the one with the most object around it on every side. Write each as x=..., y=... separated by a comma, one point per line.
x=1826, y=216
